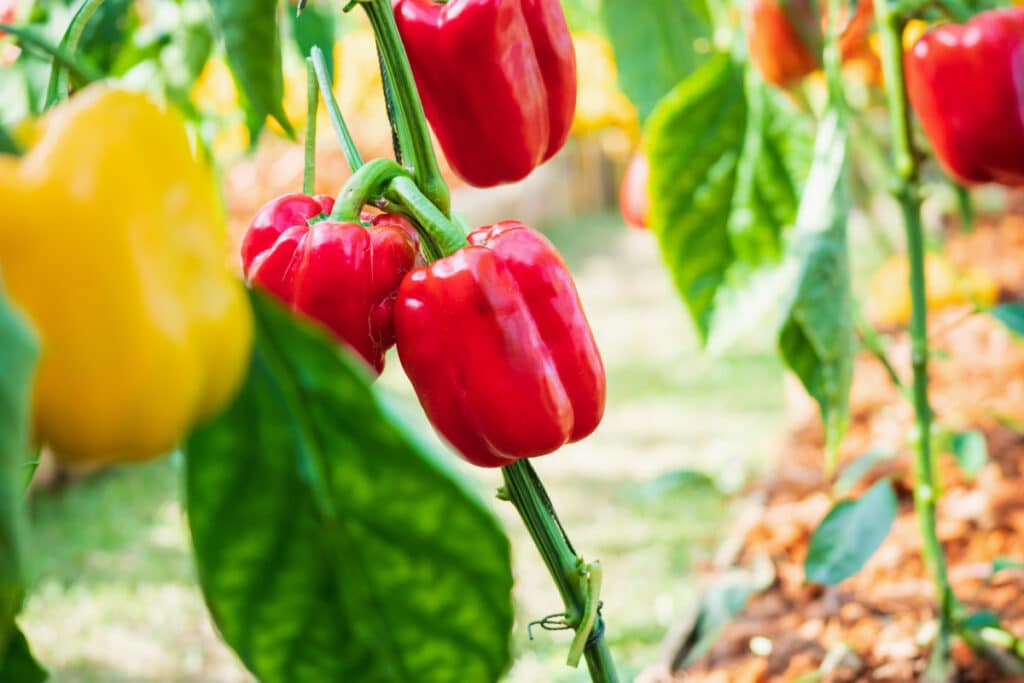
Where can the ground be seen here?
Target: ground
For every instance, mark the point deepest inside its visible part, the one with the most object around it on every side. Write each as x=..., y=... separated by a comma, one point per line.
x=115, y=598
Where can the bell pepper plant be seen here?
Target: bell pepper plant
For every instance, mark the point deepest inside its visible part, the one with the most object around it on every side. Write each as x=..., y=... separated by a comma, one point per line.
x=333, y=541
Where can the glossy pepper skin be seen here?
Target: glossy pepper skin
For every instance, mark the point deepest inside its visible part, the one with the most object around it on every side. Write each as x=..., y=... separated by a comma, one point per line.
x=341, y=274
x=497, y=79
x=496, y=344
x=113, y=243
x=634, y=196
x=966, y=84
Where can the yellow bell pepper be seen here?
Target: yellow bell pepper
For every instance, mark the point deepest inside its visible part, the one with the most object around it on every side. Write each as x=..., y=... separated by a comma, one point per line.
x=600, y=104
x=889, y=293
x=113, y=243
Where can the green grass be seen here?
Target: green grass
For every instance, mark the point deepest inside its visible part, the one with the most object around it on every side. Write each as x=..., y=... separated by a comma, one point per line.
x=116, y=601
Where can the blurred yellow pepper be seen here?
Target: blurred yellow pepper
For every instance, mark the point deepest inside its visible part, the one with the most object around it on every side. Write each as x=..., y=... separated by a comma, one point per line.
x=113, y=244
x=889, y=293
x=600, y=103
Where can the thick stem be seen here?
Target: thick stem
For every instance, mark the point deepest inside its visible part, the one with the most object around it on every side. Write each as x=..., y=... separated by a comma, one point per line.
x=906, y=192
x=410, y=109
x=312, y=103
x=531, y=501
x=440, y=237
x=364, y=185
x=355, y=161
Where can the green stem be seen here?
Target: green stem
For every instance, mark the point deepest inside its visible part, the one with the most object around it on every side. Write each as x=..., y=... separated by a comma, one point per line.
x=963, y=202
x=312, y=103
x=365, y=184
x=323, y=77
x=398, y=72
x=58, y=86
x=60, y=56
x=400, y=139
x=440, y=237
x=531, y=501
x=926, y=488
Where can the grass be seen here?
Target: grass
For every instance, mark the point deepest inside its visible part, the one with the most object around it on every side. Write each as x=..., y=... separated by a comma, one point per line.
x=116, y=599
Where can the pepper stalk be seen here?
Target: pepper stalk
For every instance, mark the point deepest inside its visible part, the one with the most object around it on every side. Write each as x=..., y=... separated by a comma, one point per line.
x=906, y=191
x=404, y=104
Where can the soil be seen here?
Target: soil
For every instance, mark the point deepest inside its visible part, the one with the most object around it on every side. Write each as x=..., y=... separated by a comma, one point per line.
x=876, y=625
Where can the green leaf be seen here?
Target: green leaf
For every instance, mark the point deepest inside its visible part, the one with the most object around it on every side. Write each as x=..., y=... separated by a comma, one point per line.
x=332, y=543
x=855, y=471
x=1001, y=563
x=18, y=665
x=980, y=619
x=817, y=341
x=253, y=45
x=728, y=157
x=776, y=158
x=657, y=44
x=694, y=142
x=850, y=534
x=971, y=451
x=106, y=32
x=316, y=26
x=1011, y=315
x=7, y=143
x=18, y=353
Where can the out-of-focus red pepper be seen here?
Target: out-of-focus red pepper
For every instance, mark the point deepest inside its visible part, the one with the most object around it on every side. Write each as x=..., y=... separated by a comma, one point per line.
x=966, y=83
x=784, y=39
x=343, y=275
x=634, y=197
x=497, y=79
x=496, y=344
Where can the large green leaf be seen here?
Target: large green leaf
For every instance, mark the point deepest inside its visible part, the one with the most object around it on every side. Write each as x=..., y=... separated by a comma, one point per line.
x=694, y=141
x=777, y=152
x=850, y=534
x=17, y=363
x=253, y=45
x=657, y=43
x=332, y=543
x=817, y=341
x=727, y=160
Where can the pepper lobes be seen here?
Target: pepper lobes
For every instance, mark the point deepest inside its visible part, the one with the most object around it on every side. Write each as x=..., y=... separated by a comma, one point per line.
x=964, y=82
x=496, y=344
x=497, y=79
x=341, y=274
x=113, y=244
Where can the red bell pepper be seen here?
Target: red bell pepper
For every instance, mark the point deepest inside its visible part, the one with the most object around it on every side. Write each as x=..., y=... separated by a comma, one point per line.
x=343, y=275
x=964, y=82
x=634, y=197
x=496, y=344
x=497, y=79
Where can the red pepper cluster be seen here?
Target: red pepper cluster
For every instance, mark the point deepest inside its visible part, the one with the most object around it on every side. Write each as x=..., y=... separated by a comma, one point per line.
x=964, y=82
x=493, y=336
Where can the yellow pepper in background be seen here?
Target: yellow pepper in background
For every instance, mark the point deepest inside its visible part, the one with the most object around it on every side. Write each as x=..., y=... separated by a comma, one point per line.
x=889, y=293
x=600, y=103
x=113, y=244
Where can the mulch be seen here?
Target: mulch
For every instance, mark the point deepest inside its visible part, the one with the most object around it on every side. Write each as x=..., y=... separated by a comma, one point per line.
x=875, y=625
